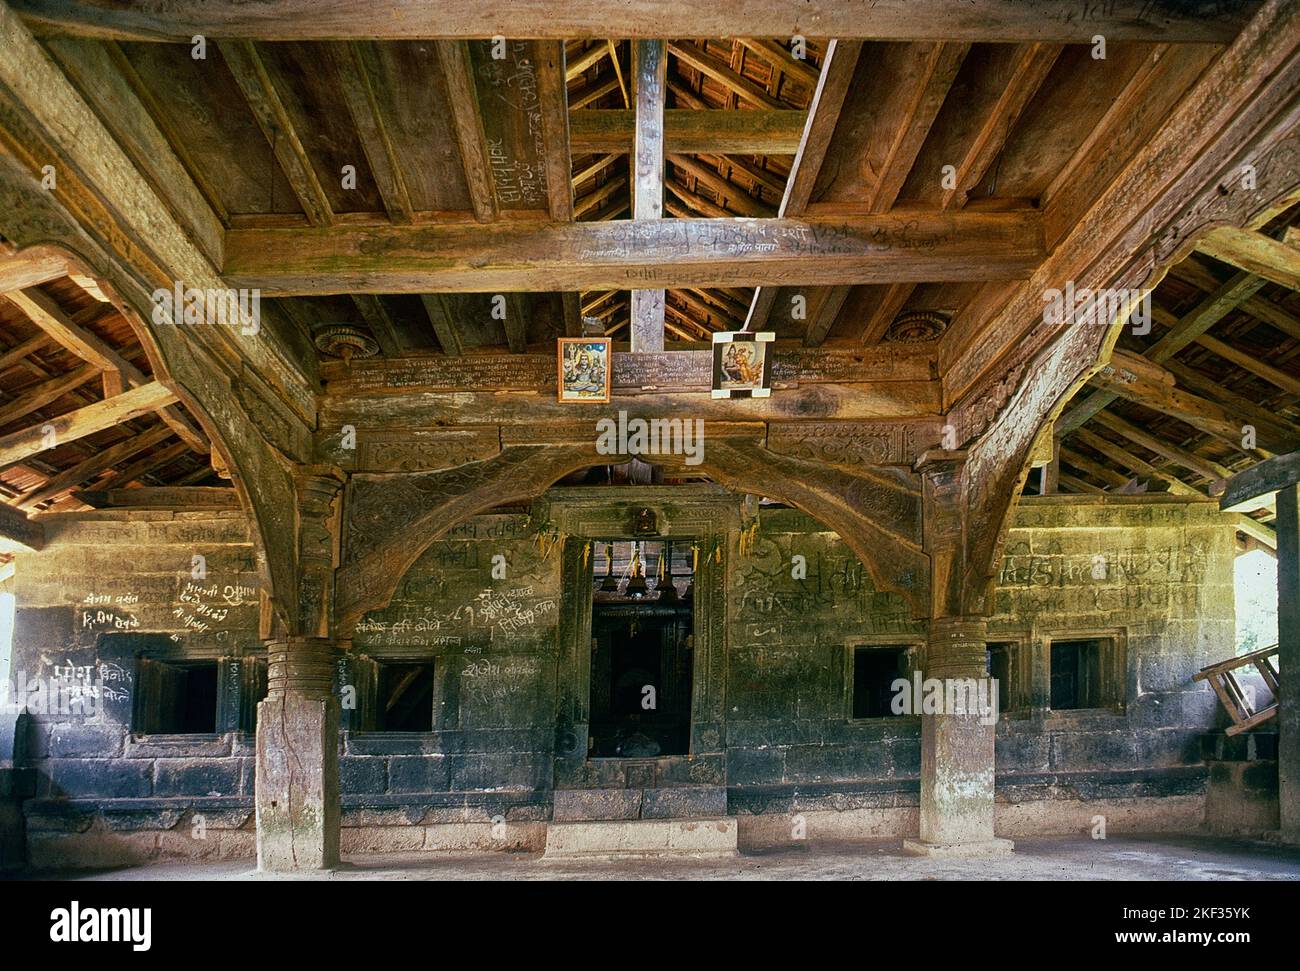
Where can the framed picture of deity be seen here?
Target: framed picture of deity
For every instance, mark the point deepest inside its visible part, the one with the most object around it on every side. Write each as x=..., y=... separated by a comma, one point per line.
x=583, y=369
x=742, y=366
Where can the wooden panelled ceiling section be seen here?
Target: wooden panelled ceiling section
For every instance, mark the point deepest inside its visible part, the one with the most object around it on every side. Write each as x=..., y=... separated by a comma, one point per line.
x=265, y=129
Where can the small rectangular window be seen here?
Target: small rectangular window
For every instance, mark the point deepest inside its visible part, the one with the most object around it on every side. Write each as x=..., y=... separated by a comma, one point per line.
x=1077, y=674
x=176, y=697
x=999, y=663
x=405, y=698
x=874, y=671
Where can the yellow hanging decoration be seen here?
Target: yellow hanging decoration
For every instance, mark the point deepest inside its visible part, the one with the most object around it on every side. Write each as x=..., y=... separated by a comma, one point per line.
x=717, y=552
x=661, y=566
x=586, y=555
x=695, y=558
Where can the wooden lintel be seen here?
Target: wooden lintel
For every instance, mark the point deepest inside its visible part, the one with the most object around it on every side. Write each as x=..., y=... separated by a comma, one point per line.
x=1271, y=475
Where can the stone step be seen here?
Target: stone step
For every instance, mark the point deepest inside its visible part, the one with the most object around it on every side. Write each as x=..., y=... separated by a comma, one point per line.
x=638, y=839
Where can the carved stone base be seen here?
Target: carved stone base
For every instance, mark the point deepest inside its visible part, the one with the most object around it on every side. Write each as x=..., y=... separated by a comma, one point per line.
x=939, y=851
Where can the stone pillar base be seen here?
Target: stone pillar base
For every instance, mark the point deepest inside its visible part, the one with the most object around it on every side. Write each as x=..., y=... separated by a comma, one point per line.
x=956, y=851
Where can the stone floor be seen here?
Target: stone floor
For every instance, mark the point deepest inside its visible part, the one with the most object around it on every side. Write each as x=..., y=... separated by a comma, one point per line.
x=1058, y=858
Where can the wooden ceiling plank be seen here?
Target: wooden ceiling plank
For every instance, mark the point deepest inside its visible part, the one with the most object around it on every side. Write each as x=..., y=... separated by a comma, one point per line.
x=1254, y=252
x=781, y=59
x=1288, y=383
x=358, y=85
x=1032, y=65
x=42, y=394
x=1096, y=469
x=593, y=199
x=740, y=202
x=145, y=465
x=593, y=170
x=462, y=94
x=830, y=302
x=592, y=55
x=939, y=70
x=695, y=205
x=692, y=131
x=74, y=425
x=1208, y=312
x=1128, y=460
x=16, y=354
x=887, y=308
x=381, y=325
x=838, y=68
x=591, y=93
x=254, y=80
x=47, y=315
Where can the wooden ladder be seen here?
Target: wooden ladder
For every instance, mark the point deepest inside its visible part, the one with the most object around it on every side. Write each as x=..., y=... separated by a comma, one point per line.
x=1225, y=685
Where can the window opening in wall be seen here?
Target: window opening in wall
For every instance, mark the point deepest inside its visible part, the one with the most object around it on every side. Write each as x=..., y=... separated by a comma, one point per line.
x=405, y=696
x=176, y=697
x=643, y=646
x=875, y=669
x=1076, y=674
x=998, y=664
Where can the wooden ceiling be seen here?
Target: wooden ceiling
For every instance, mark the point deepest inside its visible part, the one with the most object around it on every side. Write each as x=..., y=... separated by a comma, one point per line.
x=442, y=134
x=1178, y=408
x=81, y=419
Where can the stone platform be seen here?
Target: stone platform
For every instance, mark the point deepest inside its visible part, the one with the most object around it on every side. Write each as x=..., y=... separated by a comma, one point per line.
x=642, y=839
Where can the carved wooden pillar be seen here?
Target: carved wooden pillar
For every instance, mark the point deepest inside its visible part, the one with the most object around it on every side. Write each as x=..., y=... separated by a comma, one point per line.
x=957, y=746
x=318, y=490
x=297, y=789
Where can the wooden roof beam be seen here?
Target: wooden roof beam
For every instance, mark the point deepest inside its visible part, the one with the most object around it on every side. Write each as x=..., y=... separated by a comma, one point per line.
x=553, y=108
x=720, y=71
x=838, y=68
x=75, y=425
x=982, y=20
x=1128, y=460
x=92, y=465
x=519, y=255
x=355, y=78
x=1179, y=456
x=443, y=323
x=1254, y=252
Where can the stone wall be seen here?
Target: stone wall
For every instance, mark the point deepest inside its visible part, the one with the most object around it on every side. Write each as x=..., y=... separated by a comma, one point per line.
x=1152, y=576
x=108, y=586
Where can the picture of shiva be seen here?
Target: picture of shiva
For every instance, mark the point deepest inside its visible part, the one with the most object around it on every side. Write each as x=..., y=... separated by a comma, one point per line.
x=584, y=369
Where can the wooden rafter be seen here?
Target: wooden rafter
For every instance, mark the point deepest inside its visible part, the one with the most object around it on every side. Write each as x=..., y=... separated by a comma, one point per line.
x=245, y=63
x=356, y=81
x=1254, y=252
x=462, y=94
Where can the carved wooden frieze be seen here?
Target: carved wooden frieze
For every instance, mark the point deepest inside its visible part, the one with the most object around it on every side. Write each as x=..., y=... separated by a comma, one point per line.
x=854, y=444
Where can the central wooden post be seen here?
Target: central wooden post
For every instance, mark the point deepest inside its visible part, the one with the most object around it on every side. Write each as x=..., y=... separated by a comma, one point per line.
x=650, y=67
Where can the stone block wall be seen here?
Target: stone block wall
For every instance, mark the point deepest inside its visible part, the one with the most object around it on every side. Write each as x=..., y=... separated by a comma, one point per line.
x=1155, y=576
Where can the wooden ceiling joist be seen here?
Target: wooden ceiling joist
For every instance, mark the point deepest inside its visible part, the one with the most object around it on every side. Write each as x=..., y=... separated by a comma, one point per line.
x=69, y=427
x=250, y=72
x=458, y=76
x=1254, y=252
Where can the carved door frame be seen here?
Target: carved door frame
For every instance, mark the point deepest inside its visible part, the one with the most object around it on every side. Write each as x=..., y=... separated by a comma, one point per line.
x=707, y=514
